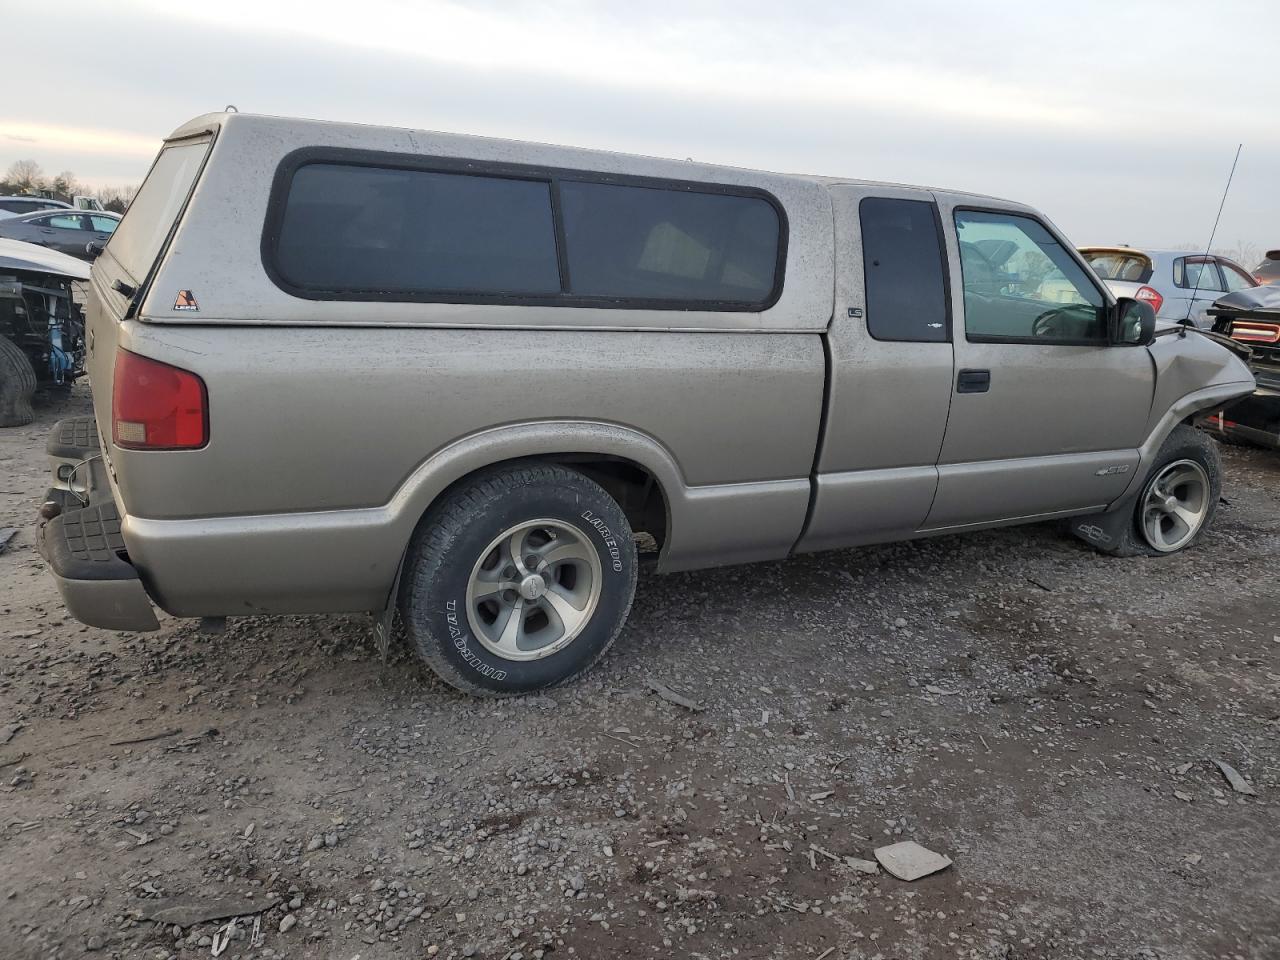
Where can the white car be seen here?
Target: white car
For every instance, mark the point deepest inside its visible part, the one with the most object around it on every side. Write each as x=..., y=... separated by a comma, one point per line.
x=1180, y=285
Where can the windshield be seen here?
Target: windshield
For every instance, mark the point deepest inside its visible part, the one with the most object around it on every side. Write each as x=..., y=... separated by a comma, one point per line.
x=137, y=241
x=1117, y=265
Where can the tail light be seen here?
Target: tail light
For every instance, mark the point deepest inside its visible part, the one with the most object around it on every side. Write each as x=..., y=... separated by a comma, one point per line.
x=155, y=406
x=1249, y=331
x=1150, y=295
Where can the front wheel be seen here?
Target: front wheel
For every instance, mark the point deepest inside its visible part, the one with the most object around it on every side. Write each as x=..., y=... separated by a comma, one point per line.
x=519, y=580
x=1178, y=499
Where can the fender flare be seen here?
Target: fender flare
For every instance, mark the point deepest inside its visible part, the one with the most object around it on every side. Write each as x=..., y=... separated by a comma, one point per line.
x=530, y=440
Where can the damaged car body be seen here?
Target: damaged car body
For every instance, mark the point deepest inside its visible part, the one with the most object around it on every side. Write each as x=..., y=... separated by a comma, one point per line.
x=1252, y=318
x=41, y=326
x=515, y=370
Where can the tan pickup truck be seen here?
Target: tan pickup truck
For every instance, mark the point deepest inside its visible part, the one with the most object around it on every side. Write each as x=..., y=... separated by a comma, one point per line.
x=350, y=368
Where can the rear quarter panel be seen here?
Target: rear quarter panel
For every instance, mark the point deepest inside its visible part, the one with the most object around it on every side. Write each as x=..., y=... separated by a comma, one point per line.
x=331, y=419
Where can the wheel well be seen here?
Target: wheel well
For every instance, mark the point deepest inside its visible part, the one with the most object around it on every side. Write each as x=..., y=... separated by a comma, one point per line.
x=635, y=489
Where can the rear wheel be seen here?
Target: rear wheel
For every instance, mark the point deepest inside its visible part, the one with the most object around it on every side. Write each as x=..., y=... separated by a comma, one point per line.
x=17, y=385
x=519, y=580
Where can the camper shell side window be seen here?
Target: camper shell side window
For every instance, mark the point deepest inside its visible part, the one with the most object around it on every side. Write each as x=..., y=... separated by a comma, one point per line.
x=369, y=226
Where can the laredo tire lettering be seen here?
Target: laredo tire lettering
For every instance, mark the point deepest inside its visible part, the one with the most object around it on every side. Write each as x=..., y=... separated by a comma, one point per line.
x=615, y=554
x=460, y=644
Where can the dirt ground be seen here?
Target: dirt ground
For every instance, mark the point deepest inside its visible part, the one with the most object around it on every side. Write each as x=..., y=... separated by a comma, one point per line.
x=1046, y=717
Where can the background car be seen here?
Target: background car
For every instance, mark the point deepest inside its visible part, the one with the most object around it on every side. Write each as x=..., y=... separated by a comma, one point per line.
x=67, y=231
x=16, y=206
x=1252, y=317
x=1180, y=285
x=1268, y=271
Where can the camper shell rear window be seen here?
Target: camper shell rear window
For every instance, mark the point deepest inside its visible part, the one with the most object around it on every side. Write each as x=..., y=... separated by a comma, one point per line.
x=355, y=225
x=151, y=215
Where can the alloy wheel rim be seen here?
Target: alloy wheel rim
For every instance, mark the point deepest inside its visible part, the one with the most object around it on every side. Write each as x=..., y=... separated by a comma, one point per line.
x=533, y=589
x=1175, y=505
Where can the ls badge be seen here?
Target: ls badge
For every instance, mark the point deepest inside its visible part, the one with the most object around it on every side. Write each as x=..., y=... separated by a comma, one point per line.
x=1112, y=471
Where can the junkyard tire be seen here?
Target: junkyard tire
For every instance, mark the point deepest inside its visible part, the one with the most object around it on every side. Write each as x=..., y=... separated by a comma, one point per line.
x=17, y=385
x=546, y=504
x=1185, y=443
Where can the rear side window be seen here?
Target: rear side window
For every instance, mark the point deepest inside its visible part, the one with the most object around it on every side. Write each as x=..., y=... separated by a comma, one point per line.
x=1236, y=279
x=356, y=228
x=67, y=221
x=145, y=227
x=906, y=289
x=363, y=230
x=650, y=243
x=1197, y=275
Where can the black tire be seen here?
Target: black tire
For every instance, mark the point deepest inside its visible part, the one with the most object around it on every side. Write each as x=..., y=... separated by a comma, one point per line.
x=17, y=385
x=454, y=536
x=1184, y=443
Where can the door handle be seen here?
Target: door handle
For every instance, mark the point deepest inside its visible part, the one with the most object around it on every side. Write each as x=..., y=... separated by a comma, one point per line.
x=973, y=381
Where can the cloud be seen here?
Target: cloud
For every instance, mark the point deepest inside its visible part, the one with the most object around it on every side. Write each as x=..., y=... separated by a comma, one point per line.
x=80, y=140
x=1064, y=112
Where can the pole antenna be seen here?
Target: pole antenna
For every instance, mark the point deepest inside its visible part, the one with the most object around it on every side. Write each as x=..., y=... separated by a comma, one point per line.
x=1212, y=233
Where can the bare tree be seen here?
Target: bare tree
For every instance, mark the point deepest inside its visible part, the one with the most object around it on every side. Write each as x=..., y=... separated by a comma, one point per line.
x=65, y=186
x=24, y=176
x=1244, y=253
x=117, y=198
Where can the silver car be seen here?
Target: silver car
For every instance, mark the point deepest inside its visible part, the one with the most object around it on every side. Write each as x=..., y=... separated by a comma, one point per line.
x=1179, y=285
x=340, y=367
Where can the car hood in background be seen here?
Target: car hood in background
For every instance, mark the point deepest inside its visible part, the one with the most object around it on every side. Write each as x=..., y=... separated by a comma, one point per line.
x=1260, y=302
x=16, y=255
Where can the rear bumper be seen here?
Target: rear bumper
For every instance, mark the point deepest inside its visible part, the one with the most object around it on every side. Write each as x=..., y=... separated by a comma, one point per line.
x=82, y=545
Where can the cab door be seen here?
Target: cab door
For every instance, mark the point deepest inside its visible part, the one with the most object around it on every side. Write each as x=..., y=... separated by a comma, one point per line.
x=889, y=372
x=1046, y=415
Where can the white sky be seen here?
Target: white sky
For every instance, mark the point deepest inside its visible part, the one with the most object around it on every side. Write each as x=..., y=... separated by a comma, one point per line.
x=1119, y=120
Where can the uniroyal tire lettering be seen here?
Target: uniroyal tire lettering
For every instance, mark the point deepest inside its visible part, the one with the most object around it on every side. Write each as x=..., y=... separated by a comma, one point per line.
x=459, y=639
x=602, y=528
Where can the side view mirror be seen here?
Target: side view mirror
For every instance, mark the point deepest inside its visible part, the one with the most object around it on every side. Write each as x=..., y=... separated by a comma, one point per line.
x=93, y=248
x=1133, y=323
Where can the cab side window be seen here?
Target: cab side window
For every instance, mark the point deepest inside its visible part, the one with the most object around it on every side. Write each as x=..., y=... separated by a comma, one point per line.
x=906, y=290
x=1022, y=286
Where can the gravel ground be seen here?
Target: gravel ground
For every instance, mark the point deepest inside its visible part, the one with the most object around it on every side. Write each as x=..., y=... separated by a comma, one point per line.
x=1046, y=717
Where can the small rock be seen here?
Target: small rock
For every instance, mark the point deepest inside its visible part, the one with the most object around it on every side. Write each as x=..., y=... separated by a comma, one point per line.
x=315, y=843
x=862, y=866
x=1238, y=783
x=288, y=923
